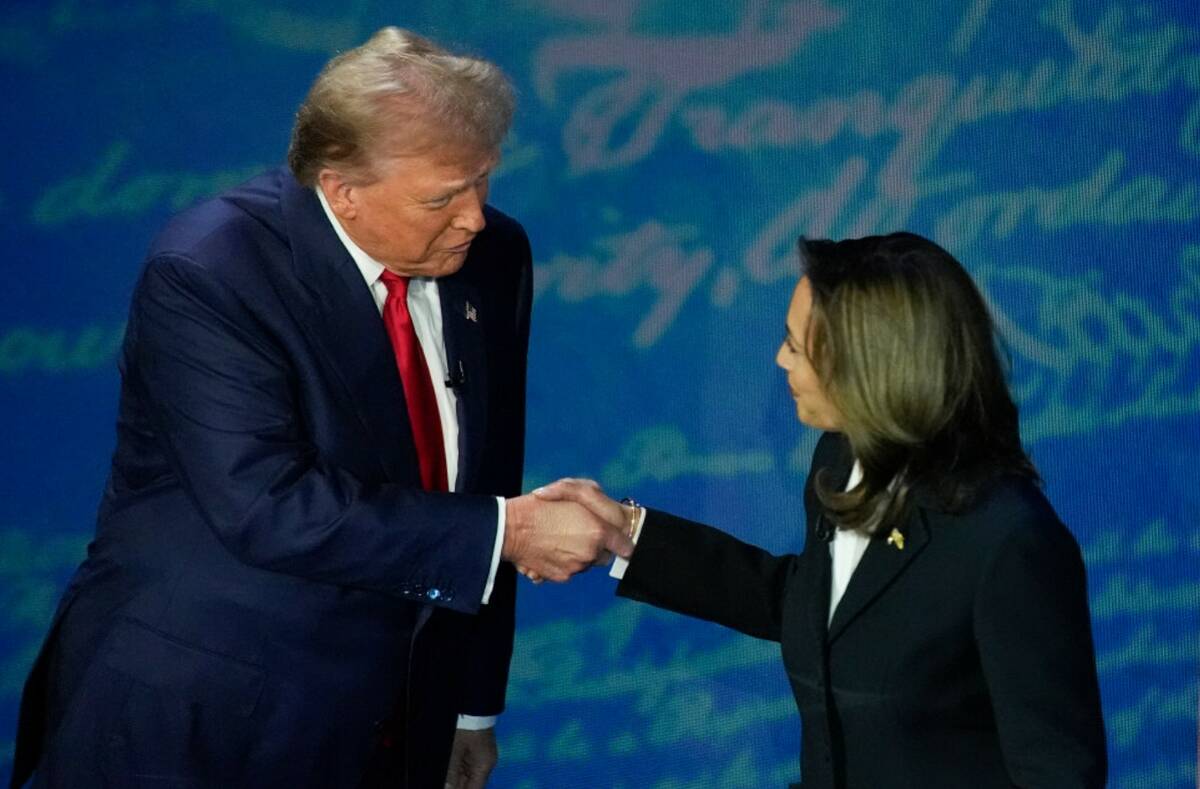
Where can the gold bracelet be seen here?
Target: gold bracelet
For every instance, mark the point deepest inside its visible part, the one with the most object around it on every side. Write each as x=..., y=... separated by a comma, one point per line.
x=635, y=508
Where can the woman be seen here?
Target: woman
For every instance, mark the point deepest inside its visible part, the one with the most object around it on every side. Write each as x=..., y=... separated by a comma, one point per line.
x=935, y=628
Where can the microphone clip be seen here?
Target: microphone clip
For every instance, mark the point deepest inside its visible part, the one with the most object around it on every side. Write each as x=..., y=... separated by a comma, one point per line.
x=823, y=529
x=456, y=379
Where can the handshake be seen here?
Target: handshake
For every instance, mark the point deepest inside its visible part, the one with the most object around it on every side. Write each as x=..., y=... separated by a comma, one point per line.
x=565, y=528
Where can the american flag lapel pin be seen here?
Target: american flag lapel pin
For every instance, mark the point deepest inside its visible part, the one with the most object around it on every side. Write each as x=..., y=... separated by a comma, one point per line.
x=470, y=313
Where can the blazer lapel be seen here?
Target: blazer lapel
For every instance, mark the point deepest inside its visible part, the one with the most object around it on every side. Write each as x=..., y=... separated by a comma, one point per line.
x=815, y=589
x=343, y=322
x=837, y=473
x=879, y=566
x=463, y=327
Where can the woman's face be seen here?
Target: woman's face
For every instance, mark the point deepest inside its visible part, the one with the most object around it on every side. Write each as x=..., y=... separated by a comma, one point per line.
x=813, y=407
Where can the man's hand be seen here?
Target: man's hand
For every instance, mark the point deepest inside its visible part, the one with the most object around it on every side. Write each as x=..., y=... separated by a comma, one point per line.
x=557, y=539
x=472, y=759
x=588, y=493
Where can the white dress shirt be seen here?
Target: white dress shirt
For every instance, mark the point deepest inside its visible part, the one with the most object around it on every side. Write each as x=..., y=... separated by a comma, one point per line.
x=846, y=550
x=425, y=308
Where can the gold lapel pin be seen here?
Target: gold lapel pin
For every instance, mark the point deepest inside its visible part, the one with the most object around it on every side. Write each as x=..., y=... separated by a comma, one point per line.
x=896, y=538
x=470, y=313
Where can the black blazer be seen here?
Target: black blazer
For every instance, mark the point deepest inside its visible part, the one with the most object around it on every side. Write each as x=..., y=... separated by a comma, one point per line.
x=269, y=584
x=964, y=659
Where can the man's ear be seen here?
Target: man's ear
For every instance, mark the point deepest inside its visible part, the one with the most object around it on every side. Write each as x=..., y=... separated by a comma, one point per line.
x=339, y=193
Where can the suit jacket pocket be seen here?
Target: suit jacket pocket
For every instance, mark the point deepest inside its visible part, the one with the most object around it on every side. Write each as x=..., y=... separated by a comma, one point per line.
x=191, y=672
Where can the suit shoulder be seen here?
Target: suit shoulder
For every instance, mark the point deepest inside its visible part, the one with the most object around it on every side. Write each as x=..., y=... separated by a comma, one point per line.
x=1014, y=499
x=1013, y=509
x=220, y=247
x=504, y=233
x=501, y=223
x=226, y=229
x=500, y=254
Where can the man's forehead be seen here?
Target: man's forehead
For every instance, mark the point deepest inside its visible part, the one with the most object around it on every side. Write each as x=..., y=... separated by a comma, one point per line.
x=446, y=164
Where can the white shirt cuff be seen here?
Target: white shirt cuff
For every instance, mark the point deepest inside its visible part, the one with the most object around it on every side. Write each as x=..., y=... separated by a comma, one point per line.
x=491, y=581
x=477, y=722
x=619, y=564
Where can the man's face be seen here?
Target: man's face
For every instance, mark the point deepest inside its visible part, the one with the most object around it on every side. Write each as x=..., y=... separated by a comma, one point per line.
x=419, y=218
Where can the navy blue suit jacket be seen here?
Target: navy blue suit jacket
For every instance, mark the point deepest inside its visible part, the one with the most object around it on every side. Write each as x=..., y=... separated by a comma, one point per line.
x=268, y=581
x=963, y=659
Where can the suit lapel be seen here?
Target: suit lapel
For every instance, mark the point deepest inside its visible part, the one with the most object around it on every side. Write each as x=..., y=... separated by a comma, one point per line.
x=463, y=326
x=879, y=566
x=815, y=590
x=837, y=474
x=343, y=322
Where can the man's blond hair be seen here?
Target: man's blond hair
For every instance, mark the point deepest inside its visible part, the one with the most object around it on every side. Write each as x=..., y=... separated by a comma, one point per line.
x=397, y=93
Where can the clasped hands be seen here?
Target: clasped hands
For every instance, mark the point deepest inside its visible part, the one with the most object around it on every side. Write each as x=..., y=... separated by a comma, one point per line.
x=563, y=529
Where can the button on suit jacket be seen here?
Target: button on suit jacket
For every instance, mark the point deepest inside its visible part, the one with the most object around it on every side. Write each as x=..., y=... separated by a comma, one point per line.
x=963, y=659
x=269, y=584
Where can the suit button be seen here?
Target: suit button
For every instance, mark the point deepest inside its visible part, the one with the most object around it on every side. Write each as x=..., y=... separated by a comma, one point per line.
x=434, y=594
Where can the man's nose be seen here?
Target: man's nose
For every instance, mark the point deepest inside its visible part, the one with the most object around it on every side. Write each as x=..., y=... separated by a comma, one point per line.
x=470, y=215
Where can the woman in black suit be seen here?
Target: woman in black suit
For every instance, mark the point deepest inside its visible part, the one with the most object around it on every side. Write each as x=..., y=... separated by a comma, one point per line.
x=935, y=628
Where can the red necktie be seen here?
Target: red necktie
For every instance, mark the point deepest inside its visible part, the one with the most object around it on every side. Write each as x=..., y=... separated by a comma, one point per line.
x=418, y=386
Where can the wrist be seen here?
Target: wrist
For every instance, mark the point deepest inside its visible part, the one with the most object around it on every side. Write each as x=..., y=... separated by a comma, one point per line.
x=634, y=514
x=515, y=524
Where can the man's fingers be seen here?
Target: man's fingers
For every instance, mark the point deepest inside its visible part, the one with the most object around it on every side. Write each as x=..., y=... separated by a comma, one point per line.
x=586, y=492
x=589, y=494
x=565, y=489
x=552, y=492
x=530, y=574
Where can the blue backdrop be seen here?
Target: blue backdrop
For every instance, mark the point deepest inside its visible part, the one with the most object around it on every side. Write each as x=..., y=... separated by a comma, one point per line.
x=665, y=156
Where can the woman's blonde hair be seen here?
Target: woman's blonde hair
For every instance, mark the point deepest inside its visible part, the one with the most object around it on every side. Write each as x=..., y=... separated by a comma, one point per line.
x=396, y=93
x=906, y=348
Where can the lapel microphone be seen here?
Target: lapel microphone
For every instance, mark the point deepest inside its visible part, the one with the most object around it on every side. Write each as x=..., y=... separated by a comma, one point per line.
x=457, y=378
x=824, y=530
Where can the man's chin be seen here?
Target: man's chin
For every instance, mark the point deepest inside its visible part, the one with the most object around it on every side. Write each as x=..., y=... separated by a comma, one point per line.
x=440, y=265
x=451, y=263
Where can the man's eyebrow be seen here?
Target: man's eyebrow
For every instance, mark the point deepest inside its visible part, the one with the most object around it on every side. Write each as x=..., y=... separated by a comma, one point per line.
x=454, y=187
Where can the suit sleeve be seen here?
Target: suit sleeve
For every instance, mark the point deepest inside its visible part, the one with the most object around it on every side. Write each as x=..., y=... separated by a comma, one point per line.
x=489, y=637
x=1035, y=643
x=703, y=572
x=225, y=403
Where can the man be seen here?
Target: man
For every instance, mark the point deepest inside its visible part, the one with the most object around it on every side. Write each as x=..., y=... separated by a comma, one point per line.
x=303, y=566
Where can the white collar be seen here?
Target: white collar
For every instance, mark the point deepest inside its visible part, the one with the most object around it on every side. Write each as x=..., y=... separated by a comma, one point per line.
x=368, y=266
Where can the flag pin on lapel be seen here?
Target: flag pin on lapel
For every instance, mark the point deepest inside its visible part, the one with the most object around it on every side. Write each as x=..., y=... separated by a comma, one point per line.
x=470, y=313
x=896, y=538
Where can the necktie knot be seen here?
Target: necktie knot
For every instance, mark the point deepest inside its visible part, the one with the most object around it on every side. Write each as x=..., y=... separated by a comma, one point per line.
x=396, y=285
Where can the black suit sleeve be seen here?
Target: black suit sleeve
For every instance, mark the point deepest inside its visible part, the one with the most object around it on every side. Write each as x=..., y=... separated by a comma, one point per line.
x=1035, y=643
x=700, y=571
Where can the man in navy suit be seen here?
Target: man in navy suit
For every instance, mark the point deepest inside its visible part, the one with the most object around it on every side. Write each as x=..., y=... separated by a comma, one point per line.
x=302, y=573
